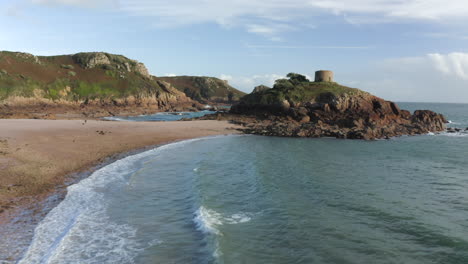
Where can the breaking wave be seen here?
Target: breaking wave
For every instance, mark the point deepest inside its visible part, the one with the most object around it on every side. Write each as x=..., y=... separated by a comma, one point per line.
x=209, y=222
x=79, y=228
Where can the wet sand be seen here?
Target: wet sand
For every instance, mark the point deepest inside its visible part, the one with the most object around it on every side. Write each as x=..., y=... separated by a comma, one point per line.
x=39, y=158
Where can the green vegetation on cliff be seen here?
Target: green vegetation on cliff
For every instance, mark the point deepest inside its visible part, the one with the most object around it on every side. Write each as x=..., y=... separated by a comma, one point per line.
x=82, y=76
x=205, y=89
x=296, y=89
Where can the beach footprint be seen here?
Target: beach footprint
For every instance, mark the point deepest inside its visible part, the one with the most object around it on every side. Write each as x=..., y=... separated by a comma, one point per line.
x=3, y=146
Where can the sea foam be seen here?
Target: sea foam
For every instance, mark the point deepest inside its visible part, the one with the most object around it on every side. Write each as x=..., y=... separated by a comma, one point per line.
x=114, y=118
x=456, y=134
x=209, y=221
x=78, y=230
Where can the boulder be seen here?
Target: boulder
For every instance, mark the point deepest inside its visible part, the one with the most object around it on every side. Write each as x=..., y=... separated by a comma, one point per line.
x=141, y=69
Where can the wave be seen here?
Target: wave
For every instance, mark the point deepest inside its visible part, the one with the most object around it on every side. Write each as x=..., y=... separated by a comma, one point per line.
x=113, y=118
x=78, y=229
x=209, y=221
x=453, y=123
x=455, y=134
x=238, y=218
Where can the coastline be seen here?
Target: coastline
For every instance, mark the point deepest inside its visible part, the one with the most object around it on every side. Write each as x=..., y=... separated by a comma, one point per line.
x=54, y=154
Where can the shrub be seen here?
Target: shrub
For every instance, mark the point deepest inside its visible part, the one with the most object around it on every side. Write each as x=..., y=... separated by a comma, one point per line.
x=86, y=90
x=108, y=67
x=68, y=67
x=112, y=74
x=72, y=73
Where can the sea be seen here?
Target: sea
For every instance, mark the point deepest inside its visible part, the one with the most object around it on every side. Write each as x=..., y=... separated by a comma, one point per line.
x=161, y=116
x=255, y=199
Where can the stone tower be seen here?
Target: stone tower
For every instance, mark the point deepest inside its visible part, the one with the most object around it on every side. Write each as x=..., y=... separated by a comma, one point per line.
x=324, y=76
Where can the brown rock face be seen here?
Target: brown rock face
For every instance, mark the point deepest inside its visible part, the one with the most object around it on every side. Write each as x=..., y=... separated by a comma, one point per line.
x=361, y=116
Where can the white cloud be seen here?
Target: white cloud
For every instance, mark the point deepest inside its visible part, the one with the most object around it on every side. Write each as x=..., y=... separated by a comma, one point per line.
x=81, y=3
x=225, y=77
x=188, y=11
x=269, y=18
x=303, y=47
x=397, y=9
x=248, y=83
x=453, y=64
x=270, y=30
x=219, y=11
x=261, y=29
x=445, y=35
x=170, y=74
x=430, y=78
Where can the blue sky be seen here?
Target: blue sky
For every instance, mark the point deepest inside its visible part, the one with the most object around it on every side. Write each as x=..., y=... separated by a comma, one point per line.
x=403, y=50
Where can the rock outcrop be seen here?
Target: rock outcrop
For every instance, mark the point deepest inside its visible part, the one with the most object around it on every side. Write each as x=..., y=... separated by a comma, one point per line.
x=205, y=90
x=90, y=60
x=306, y=109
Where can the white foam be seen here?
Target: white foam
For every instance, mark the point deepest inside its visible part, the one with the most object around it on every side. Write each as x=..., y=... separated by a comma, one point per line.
x=454, y=123
x=114, y=118
x=238, y=218
x=455, y=134
x=78, y=229
x=208, y=220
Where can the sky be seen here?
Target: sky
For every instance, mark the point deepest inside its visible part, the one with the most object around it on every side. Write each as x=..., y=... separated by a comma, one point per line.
x=401, y=50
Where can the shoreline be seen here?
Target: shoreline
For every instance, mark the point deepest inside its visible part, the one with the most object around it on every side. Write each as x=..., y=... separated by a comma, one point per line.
x=24, y=212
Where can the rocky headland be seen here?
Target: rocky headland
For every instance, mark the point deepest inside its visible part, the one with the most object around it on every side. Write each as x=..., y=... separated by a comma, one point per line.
x=206, y=90
x=97, y=84
x=297, y=107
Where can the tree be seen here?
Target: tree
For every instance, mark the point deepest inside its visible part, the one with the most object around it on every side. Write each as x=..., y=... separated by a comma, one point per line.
x=283, y=84
x=297, y=78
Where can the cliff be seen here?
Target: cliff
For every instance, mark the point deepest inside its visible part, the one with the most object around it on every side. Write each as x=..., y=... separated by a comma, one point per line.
x=93, y=83
x=205, y=89
x=296, y=107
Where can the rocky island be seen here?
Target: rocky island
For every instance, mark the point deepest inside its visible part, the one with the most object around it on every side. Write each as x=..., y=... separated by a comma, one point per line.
x=297, y=107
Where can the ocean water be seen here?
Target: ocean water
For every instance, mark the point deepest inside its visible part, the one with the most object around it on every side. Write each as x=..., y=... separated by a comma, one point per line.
x=254, y=199
x=162, y=116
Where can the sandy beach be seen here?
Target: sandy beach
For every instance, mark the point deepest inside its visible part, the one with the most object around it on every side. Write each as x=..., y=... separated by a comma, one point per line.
x=36, y=155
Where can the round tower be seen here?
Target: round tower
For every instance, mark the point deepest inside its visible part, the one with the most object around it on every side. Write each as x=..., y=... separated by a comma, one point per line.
x=324, y=76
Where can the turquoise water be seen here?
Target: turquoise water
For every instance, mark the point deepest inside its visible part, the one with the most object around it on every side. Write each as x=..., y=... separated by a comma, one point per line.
x=162, y=116
x=253, y=199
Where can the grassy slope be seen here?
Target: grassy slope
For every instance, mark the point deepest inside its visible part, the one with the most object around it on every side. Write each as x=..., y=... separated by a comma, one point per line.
x=298, y=92
x=203, y=88
x=21, y=75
